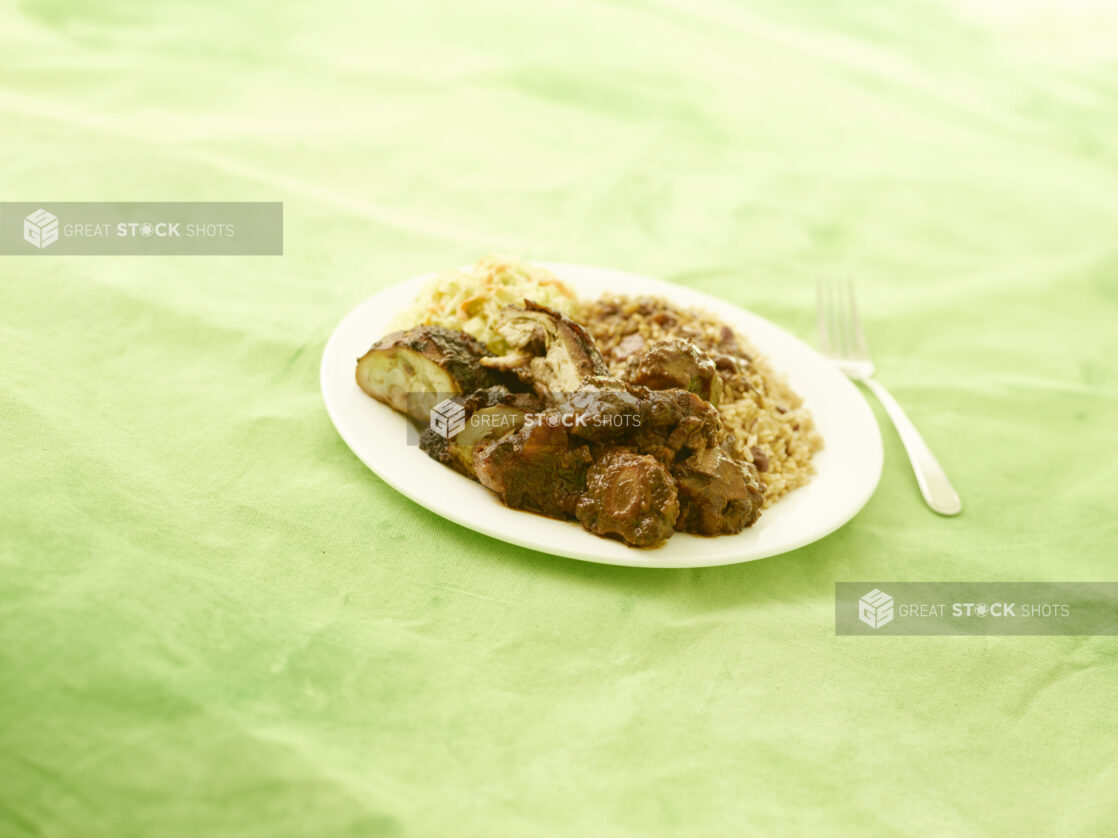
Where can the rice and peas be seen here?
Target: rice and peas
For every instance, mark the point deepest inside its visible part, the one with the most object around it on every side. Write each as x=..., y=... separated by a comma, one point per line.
x=771, y=427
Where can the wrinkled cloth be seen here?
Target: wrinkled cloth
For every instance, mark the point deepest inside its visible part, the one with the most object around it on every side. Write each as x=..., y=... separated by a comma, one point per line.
x=214, y=621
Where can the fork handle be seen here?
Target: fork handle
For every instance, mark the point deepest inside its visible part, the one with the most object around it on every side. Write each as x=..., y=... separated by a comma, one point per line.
x=937, y=490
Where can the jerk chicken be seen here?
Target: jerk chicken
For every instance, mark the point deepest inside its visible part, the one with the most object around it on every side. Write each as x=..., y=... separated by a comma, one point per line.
x=632, y=458
x=412, y=370
x=629, y=496
x=491, y=414
x=538, y=467
x=550, y=352
x=675, y=363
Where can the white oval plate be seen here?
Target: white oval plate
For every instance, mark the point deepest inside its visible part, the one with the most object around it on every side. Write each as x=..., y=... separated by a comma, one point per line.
x=848, y=467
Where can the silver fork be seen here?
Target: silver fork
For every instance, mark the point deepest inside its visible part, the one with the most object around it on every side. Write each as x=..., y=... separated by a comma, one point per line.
x=843, y=341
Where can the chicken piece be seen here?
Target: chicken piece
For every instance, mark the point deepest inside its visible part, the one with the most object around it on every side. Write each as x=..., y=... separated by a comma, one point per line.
x=717, y=493
x=631, y=497
x=601, y=410
x=490, y=414
x=676, y=363
x=413, y=370
x=551, y=352
x=627, y=347
x=676, y=424
x=536, y=467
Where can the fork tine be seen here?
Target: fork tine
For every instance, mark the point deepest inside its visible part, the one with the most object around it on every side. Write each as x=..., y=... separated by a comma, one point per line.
x=859, y=346
x=821, y=317
x=843, y=308
x=838, y=321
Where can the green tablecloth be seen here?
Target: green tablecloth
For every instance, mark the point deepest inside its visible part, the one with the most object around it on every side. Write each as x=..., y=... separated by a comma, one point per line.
x=214, y=621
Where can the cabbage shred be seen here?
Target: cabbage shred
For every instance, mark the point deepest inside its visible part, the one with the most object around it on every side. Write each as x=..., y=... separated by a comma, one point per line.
x=470, y=299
